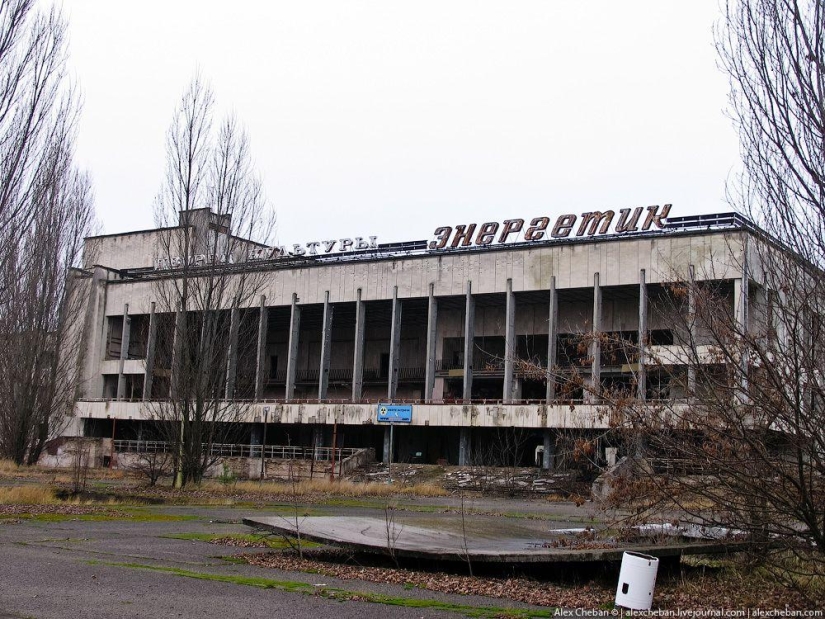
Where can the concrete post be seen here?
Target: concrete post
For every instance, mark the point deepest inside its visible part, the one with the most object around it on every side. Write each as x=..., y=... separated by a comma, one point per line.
x=149, y=373
x=469, y=336
x=326, y=345
x=464, y=446
x=552, y=337
x=432, y=329
x=358, y=356
x=124, y=352
x=595, y=344
x=509, y=342
x=395, y=346
x=292, y=353
x=93, y=352
x=256, y=434
x=260, y=366
x=741, y=290
x=691, y=369
x=641, y=374
x=387, y=444
x=232, y=354
x=178, y=349
x=549, y=450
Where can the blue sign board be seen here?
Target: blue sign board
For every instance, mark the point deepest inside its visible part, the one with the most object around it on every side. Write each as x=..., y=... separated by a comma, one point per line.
x=395, y=413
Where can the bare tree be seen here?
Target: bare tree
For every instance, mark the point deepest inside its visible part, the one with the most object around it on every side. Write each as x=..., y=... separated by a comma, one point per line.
x=212, y=212
x=45, y=212
x=41, y=319
x=152, y=465
x=744, y=450
x=774, y=53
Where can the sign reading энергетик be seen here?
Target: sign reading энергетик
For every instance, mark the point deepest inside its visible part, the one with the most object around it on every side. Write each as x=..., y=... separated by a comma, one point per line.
x=589, y=224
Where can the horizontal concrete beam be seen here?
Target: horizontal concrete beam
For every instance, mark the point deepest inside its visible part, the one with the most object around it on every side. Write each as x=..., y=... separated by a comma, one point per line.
x=582, y=416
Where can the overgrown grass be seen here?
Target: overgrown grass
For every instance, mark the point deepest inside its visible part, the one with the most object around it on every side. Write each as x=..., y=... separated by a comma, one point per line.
x=257, y=539
x=309, y=487
x=45, y=494
x=8, y=467
x=34, y=494
x=482, y=612
x=95, y=513
x=10, y=470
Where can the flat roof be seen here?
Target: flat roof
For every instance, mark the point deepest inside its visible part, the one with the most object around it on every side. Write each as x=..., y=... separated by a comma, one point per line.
x=698, y=224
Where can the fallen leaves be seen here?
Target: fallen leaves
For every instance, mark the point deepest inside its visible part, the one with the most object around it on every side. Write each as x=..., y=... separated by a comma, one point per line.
x=62, y=510
x=517, y=589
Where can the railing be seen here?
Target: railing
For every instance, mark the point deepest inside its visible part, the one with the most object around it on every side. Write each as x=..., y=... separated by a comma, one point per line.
x=410, y=373
x=231, y=450
x=345, y=374
x=398, y=400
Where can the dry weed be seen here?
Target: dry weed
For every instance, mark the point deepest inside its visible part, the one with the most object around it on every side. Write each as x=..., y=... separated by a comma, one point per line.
x=28, y=495
x=8, y=467
x=324, y=486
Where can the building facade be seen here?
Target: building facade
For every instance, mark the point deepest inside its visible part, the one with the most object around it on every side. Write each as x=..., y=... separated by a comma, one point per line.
x=514, y=329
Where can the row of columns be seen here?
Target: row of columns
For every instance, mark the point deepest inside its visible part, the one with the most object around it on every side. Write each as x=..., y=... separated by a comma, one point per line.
x=465, y=456
x=358, y=358
x=740, y=301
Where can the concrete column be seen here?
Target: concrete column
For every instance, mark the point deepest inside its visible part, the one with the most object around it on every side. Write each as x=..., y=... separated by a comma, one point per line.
x=595, y=345
x=260, y=366
x=124, y=352
x=326, y=345
x=178, y=350
x=469, y=336
x=395, y=346
x=93, y=350
x=432, y=330
x=256, y=434
x=740, y=303
x=387, y=444
x=552, y=337
x=292, y=353
x=509, y=342
x=742, y=313
x=691, y=369
x=232, y=354
x=641, y=374
x=464, y=447
x=149, y=373
x=358, y=356
x=549, y=450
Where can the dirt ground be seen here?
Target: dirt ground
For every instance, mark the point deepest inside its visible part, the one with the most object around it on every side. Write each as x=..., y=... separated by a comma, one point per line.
x=122, y=523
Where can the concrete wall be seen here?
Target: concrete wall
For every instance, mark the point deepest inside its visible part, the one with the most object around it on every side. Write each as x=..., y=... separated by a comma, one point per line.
x=617, y=260
x=582, y=416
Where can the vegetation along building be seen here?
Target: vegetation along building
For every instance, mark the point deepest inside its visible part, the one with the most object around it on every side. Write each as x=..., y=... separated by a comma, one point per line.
x=490, y=342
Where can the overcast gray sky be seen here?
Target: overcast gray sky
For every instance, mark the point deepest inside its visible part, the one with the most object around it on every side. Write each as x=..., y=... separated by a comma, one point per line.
x=393, y=118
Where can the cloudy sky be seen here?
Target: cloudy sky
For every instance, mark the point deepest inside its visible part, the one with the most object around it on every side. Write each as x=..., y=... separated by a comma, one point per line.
x=393, y=118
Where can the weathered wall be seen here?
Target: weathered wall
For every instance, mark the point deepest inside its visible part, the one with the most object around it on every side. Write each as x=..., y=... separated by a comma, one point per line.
x=617, y=260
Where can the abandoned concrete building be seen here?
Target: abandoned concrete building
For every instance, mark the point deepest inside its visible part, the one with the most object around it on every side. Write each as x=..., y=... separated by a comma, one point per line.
x=454, y=340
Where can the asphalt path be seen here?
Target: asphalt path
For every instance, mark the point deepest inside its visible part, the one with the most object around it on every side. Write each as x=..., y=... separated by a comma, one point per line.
x=129, y=568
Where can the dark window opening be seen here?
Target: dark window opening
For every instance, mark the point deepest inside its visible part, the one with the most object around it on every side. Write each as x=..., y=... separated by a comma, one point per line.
x=661, y=337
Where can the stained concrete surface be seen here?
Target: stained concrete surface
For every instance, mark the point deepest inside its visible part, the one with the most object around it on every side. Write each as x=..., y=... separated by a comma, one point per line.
x=88, y=569
x=453, y=541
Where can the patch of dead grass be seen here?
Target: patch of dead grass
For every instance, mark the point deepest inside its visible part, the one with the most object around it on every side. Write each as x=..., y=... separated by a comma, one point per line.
x=308, y=487
x=28, y=495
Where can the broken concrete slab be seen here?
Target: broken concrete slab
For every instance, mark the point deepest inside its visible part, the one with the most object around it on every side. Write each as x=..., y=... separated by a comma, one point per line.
x=389, y=537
